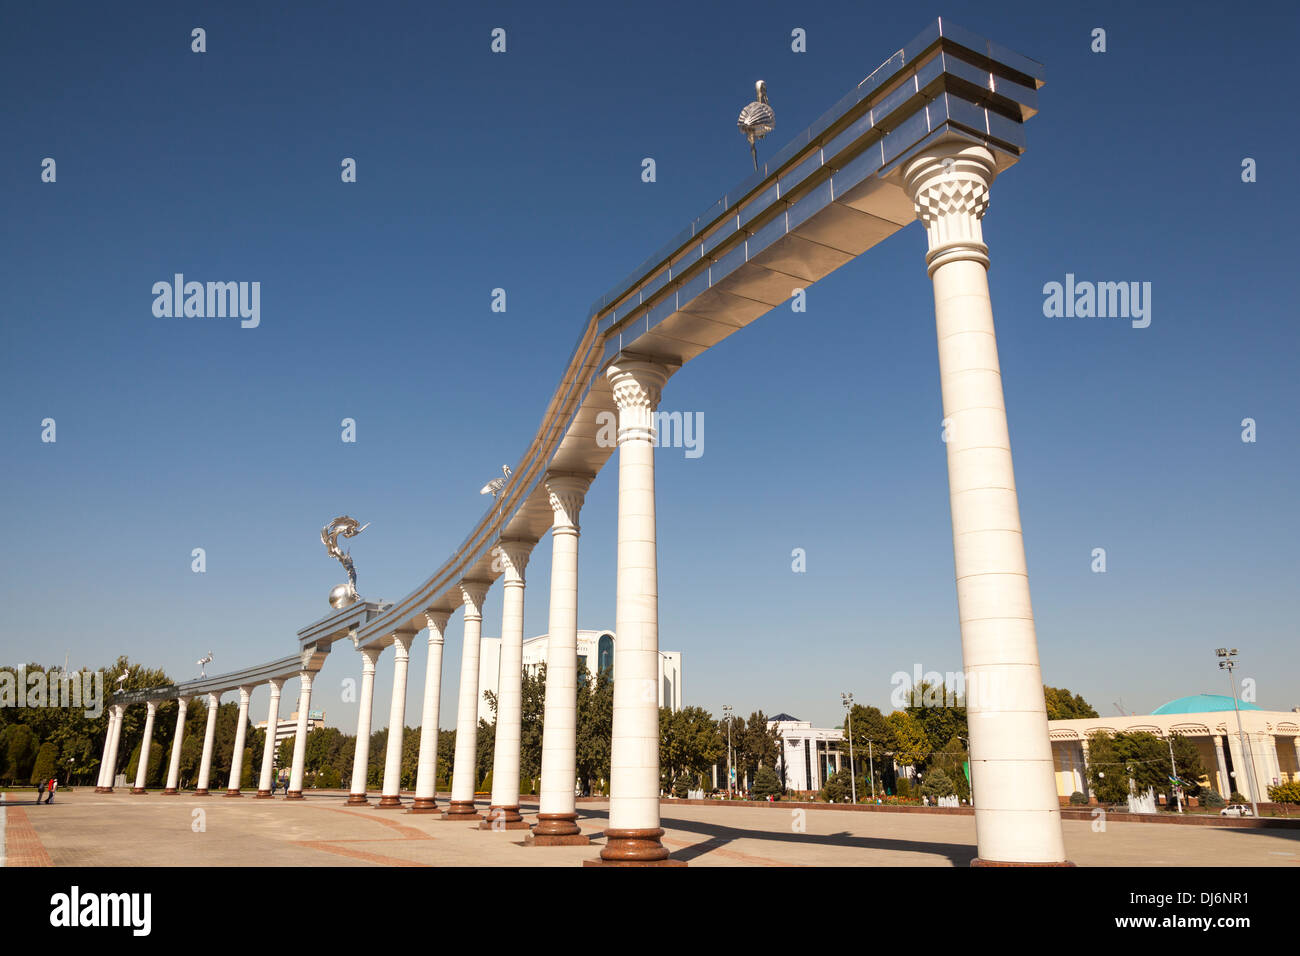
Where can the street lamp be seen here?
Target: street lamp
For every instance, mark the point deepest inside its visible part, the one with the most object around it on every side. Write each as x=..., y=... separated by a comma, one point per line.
x=1228, y=662
x=853, y=779
x=728, y=716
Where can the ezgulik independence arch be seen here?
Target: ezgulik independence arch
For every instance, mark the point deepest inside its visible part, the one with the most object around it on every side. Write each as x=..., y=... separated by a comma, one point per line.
x=923, y=137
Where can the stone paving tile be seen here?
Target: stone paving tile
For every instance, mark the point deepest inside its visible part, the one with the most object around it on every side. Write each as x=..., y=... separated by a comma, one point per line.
x=121, y=829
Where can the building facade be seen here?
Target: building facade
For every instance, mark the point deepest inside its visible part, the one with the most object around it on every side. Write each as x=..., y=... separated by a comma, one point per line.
x=595, y=652
x=1269, y=753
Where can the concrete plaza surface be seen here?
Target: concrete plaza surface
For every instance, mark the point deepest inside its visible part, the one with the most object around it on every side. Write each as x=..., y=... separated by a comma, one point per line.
x=120, y=829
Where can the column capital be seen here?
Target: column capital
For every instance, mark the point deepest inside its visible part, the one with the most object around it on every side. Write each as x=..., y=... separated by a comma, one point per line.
x=369, y=656
x=151, y=706
x=277, y=684
x=214, y=700
x=436, y=622
x=473, y=593
x=512, y=558
x=402, y=644
x=949, y=188
x=245, y=692
x=567, y=492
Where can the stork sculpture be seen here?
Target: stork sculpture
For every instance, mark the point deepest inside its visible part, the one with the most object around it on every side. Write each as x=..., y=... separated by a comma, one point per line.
x=757, y=119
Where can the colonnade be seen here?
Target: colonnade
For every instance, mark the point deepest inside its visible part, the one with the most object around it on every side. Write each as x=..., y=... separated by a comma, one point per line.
x=1017, y=816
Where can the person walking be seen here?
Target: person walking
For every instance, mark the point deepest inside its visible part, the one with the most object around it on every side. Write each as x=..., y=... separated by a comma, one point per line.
x=53, y=785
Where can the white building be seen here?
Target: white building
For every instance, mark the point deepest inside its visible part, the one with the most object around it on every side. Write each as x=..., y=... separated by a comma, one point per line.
x=288, y=726
x=595, y=650
x=808, y=754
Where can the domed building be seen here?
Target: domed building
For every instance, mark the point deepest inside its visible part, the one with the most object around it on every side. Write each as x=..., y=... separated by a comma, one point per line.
x=1272, y=742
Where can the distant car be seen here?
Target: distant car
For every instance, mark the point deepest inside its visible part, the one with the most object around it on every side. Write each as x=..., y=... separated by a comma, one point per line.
x=1235, y=810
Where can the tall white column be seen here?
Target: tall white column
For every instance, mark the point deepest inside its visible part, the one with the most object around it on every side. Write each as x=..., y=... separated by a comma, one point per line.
x=174, y=770
x=390, y=797
x=1295, y=743
x=209, y=737
x=1083, y=770
x=557, y=813
x=427, y=772
x=634, y=834
x=237, y=758
x=268, y=746
x=300, y=738
x=361, y=755
x=503, y=813
x=1225, y=782
x=142, y=765
x=465, y=769
x=1017, y=819
x=113, y=753
x=104, y=762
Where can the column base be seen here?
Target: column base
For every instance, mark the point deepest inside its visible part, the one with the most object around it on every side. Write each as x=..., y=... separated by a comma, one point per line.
x=978, y=862
x=566, y=839
x=293, y=795
x=232, y=793
x=103, y=789
x=389, y=802
x=634, y=848
x=171, y=792
x=504, y=818
x=263, y=795
x=139, y=790
x=201, y=792
x=424, y=805
x=357, y=800
x=461, y=810
x=556, y=825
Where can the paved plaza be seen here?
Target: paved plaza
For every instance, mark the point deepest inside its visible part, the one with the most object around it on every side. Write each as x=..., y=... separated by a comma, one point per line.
x=119, y=830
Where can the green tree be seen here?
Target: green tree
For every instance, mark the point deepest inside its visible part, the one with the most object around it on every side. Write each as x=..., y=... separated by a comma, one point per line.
x=1063, y=705
x=688, y=744
x=1107, y=775
x=766, y=784
x=595, y=726
x=937, y=784
x=908, y=742
x=44, y=766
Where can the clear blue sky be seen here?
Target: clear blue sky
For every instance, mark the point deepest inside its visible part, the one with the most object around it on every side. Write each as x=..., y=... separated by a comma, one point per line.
x=522, y=171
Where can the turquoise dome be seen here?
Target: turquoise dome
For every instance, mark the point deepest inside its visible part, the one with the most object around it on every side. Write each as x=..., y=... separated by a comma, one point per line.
x=1201, y=704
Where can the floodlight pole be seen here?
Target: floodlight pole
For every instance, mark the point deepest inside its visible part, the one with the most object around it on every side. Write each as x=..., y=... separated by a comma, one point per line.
x=853, y=777
x=1178, y=787
x=1228, y=663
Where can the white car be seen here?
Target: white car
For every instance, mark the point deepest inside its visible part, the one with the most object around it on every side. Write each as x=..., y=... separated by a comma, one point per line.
x=1235, y=810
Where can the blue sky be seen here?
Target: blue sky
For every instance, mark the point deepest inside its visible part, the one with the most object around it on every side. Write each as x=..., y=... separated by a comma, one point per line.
x=522, y=171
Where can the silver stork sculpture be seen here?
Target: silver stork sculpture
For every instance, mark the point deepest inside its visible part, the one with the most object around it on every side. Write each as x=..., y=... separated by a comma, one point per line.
x=494, y=486
x=342, y=595
x=757, y=119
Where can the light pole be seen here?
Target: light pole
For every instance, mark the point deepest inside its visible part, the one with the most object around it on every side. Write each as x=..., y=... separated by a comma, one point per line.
x=871, y=763
x=853, y=778
x=1228, y=662
x=1178, y=787
x=727, y=716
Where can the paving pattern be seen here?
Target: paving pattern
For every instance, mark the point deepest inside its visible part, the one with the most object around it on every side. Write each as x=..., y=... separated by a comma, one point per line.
x=83, y=828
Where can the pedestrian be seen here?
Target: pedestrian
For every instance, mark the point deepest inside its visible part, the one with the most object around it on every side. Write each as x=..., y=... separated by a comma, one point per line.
x=53, y=785
x=274, y=781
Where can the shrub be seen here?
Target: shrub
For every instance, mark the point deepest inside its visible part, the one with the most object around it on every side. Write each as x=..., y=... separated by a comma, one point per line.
x=904, y=788
x=1211, y=800
x=681, y=787
x=1079, y=798
x=1236, y=797
x=1282, y=793
x=938, y=784
x=836, y=788
x=766, y=784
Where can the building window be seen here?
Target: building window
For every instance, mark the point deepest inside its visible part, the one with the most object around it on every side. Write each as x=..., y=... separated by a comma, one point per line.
x=605, y=654
x=807, y=765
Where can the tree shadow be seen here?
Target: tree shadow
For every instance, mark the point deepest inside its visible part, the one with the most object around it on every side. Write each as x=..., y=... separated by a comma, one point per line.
x=719, y=836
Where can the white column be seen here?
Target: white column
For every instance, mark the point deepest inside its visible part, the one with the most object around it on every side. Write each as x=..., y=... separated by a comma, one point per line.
x=1086, y=787
x=427, y=772
x=113, y=753
x=1225, y=782
x=300, y=738
x=268, y=746
x=1295, y=742
x=361, y=754
x=634, y=834
x=104, y=761
x=557, y=811
x=174, y=770
x=465, y=768
x=504, y=810
x=391, y=794
x=237, y=758
x=142, y=765
x=209, y=737
x=1017, y=819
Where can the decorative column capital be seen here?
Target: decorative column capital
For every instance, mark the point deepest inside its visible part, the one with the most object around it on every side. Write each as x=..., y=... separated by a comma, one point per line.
x=245, y=693
x=151, y=706
x=567, y=492
x=436, y=621
x=402, y=644
x=512, y=558
x=276, y=685
x=214, y=701
x=369, y=656
x=637, y=387
x=473, y=593
x=949, y=187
